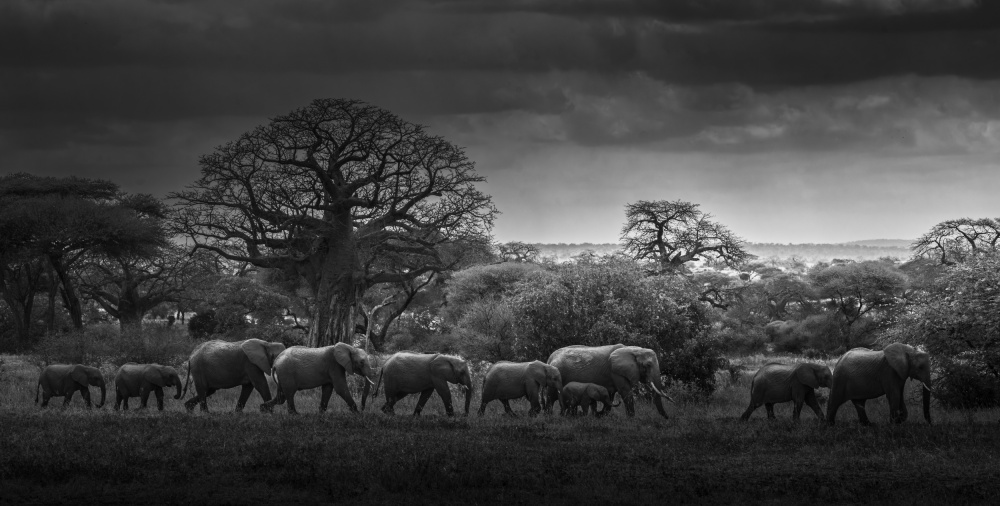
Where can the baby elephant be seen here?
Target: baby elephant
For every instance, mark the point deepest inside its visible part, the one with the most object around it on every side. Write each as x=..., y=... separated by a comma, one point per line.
x=512, y=380
x=584, y=395
x=776, y=383
x=138, y=380
x=62, y=380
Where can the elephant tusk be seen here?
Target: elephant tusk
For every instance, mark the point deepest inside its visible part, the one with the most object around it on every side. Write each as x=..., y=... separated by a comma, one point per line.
x=660, y=393
x=369, y=380
x=926, y=387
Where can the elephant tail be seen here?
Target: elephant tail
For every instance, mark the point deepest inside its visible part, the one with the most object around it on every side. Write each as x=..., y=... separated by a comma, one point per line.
x=37, y=388
x=187, y=380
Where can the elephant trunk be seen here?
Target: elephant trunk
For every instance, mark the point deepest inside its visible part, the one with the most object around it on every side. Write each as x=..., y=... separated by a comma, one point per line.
x=365, y=391
x=187, y=380
x=103, y=392
x=657, y=386
x=926, y=391
x=468, y=394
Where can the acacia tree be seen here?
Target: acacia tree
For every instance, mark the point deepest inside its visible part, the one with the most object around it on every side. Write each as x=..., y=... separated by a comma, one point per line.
x=954, y=241
x=859, y=288
x=345, y=195
x=129, y=286
x=64, y=219
x=517, y=251
x=672, y=234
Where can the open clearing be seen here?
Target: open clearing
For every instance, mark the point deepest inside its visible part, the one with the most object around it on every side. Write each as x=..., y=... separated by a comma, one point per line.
x=701, y=454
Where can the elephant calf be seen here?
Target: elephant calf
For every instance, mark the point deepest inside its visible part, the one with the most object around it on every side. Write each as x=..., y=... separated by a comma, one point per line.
x=62, y=380
x=775, y=383
x=138, y=380
x=583, y=395
x=512, y=380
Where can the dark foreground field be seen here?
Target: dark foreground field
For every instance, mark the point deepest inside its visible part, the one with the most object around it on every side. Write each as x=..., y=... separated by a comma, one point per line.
x=702, y=454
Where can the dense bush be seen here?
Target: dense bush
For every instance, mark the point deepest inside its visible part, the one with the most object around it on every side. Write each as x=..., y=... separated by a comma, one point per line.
x=958, y=322
x=694, y=364
x=107, y=345
x=203, y=325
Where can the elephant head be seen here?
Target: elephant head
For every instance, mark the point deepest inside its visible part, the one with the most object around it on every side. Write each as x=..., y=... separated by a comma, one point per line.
x=639, y=365
x=262, y=353
x=88, y=377
x=455, y=370
x=814, y=375
x=908, y=362
x=356, y=361
x=164, y=377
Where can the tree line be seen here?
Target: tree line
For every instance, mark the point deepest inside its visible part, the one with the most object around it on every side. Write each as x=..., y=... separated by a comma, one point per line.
x=341, y=222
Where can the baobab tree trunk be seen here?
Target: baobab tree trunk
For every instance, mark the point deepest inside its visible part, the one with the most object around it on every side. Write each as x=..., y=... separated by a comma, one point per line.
x=337, y=284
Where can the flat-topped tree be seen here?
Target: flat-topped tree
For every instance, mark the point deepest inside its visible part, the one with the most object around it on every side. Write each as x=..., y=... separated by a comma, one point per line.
x=672, y=234
x=345, y=195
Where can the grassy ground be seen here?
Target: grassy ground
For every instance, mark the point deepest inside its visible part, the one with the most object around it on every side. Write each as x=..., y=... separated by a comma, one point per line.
x=702, y=454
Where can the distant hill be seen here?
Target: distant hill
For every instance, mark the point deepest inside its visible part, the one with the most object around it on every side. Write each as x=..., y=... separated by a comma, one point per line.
x=810, y=253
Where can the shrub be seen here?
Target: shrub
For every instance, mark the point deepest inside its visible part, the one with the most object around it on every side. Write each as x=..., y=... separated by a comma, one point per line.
x=105, y=345
x=694, y=363
x=966, y=384
x=203, y=325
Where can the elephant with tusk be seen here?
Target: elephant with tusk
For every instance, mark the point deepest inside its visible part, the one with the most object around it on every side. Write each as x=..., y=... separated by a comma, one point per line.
x=138, y=380
x=617, y=367
x=62, y=380
x=863, y=374
x=302, y=368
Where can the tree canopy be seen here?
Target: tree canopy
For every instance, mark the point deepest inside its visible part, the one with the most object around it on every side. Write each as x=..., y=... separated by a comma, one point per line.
x=954, y=241
x=343, y=194
x=674, y=233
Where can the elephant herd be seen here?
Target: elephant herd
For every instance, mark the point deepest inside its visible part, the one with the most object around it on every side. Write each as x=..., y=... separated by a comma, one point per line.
x=576, y=376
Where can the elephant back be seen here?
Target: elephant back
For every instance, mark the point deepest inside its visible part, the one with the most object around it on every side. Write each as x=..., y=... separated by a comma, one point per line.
x=584, y=364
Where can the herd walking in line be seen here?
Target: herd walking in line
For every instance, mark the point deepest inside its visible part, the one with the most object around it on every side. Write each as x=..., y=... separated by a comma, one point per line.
x=575, y=376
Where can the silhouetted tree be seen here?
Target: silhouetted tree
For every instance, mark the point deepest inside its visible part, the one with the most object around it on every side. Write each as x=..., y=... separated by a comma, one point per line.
x=344, y=194
x=672, y=234
x=954, y=241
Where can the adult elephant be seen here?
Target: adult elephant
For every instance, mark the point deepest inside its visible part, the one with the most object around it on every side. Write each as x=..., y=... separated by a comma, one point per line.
x=138, y=380
x=617, y=367
x=216, y=365
x=63, y=380
x=863, y=374
x=302, y=368
x=513, y=380
x=776, y=383
x=408, y=373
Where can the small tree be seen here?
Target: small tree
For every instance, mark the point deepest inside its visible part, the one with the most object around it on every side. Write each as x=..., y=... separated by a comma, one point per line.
x=672, y=234
x=857, y=289
x=517, y=251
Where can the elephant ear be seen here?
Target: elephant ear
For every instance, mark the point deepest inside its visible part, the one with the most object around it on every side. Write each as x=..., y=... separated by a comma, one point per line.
x=257, y=352
x=79, y=375
x=154, y=376
x=898, y=357
x=807, y=376
x=343, y=353
x=624, y=364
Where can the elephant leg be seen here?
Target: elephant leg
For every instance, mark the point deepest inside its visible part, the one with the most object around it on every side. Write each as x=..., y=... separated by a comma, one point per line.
x=258, y=382
x=159, y=398
x=506, y=407
x=859, y=406
x=482, y=407
x=45, y=398
x=533, y=394
x=897, y=407
x=118, y=400
x=814, y=404
x=67, y=398
x=832, y=406
x=551, y=400
x=144, y=396
x=441, y=386
x=290, y=398
x=426, y=394
x=769, y=406
x=750, y=409
x=390, y=402
x=245, y=391
x=341, y=388
x=324, y=397
x=797, y=410
x=85, y=393
x=625, y=390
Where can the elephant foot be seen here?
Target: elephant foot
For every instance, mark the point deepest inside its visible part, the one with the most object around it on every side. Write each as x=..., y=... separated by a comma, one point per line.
x=266, y=408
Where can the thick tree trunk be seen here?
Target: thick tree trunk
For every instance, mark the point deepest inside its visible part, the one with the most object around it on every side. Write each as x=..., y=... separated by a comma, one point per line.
x=338, y=285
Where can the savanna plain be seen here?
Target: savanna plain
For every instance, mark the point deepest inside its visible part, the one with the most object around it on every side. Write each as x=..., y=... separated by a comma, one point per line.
x=701, y=454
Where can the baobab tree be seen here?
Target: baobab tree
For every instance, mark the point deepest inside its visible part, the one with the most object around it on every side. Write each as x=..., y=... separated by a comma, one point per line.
x=343, y=194
x=672, y=234
x=954, y=241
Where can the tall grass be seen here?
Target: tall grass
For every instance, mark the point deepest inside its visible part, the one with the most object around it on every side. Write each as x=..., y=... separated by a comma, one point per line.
x=701, y=454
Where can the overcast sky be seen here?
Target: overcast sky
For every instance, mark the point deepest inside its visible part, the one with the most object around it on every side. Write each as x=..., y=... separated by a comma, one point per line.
x=788, y=120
